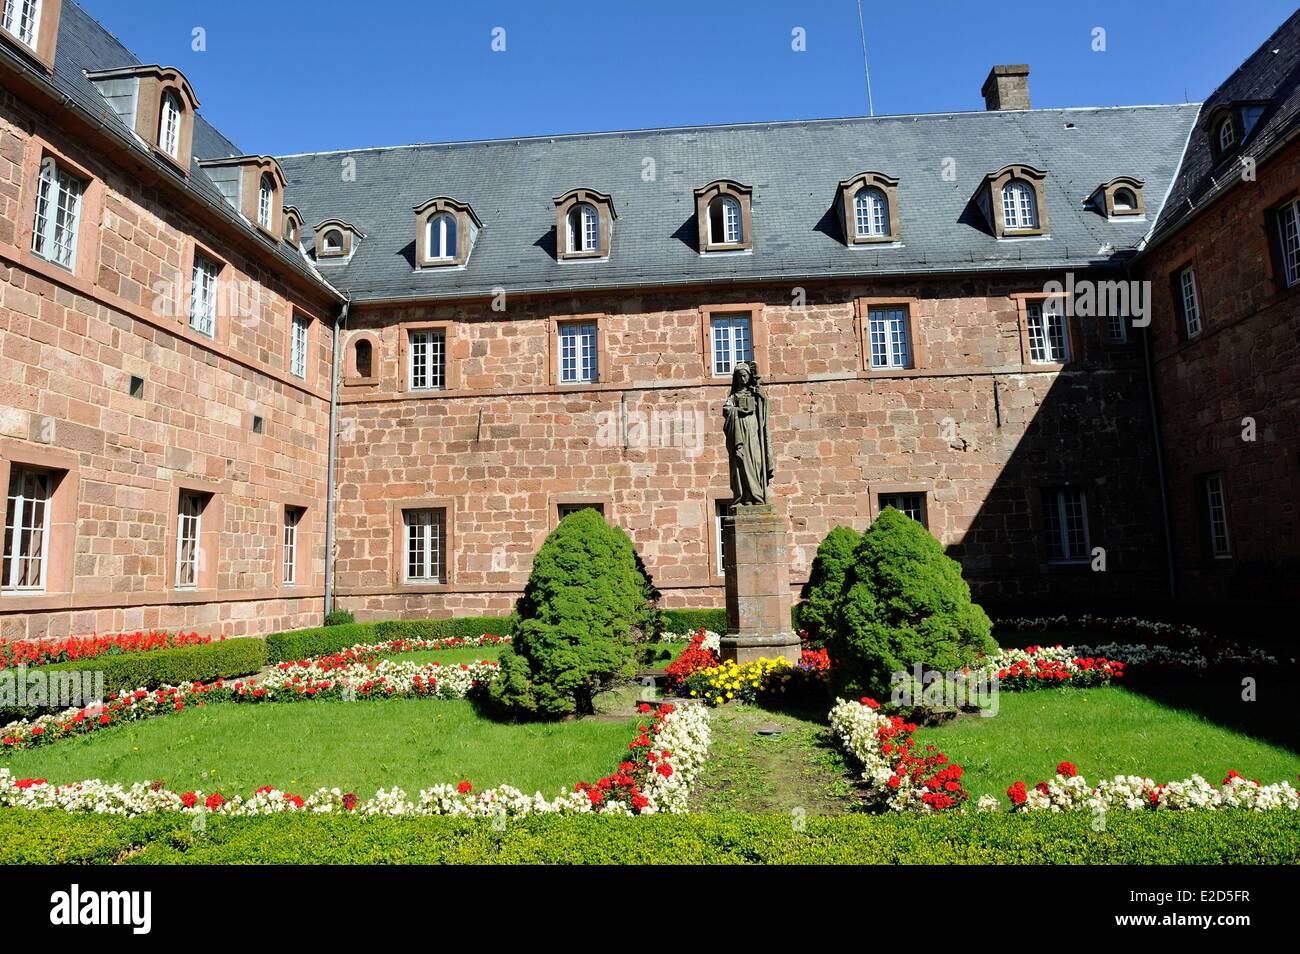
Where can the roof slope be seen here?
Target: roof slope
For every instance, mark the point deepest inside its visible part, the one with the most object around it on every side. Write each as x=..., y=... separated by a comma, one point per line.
x=794, y=168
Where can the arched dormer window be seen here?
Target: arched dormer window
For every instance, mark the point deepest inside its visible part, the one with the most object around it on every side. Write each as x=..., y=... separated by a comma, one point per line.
x=292, y=225
x=1019, y=206
x=584, y=224
x=870, y=213
x=445, y=233
x=1012, y=201
x=723, y=209
x=331, y=242
x=441, y=238
x=1125, y=200
x=156, y=102
x=266, y=201
x=868, y=208
x=336, y=238
x=1227, y=134
x=1120, y=197
x=169, y=123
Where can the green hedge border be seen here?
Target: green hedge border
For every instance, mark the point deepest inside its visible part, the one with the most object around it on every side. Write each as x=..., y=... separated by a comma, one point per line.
x=303, y=643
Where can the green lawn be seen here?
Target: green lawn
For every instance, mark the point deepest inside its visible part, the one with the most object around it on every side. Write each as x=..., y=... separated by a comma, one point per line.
x=1104, y=732
x=356, y=746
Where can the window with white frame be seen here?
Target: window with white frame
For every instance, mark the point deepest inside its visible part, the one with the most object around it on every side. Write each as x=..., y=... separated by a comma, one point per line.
x=440, y=242
x=426, y=545
x=1216, y=513
x=1019, y=206
x=1049, y=340
x=1065, y=525
x=1117, y=328
x=266, y=201
x=720, y=509
x=724, y=221
x=332, y=243
x=582, y=228
x=22, y=18
x=27, y=529
x=909, y=504
x=888, y=332
x=1227, y=135
x=1190, y=301
x=1288, y=224
x=428, y=361
x=169, y=124
x=733, y=341
x=871, y=213
x=578, y=362
x=298, y=346
x=1124, y=200
x=189, y=518
x=203, y=294
x=292, y=519
x=58, y=214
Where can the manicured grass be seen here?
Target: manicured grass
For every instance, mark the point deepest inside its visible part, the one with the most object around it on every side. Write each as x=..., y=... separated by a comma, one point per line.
x=1104, y=732
x=355, y=746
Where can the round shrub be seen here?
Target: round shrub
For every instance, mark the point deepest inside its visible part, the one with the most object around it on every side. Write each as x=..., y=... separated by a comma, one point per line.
x=821, y=594
x=586, y=603
x=904, y=602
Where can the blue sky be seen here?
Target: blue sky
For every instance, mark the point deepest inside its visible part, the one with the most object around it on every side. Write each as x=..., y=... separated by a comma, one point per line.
x=342, y=74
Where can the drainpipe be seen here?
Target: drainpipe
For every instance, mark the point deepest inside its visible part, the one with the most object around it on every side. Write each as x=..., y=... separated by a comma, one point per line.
x=339, y=324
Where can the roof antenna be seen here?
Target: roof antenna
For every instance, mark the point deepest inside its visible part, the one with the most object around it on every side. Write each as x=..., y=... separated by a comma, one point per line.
x=871, y=106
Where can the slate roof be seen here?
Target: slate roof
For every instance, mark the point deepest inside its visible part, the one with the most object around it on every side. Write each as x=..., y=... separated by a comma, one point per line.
x=1271, y=73
x=794, y=169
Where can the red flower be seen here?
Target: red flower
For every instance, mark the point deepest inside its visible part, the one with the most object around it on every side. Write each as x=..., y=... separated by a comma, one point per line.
x=1017, y=794
x=640, y=802
x=664, y=769
x=1067, y=769
x=595, y=795
x=189, y=799
x=349, y=801
x=105, y=719
x=464, y=788
x=214, y=801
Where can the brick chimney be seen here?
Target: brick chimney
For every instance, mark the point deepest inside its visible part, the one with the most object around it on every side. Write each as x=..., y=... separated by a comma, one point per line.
x=1007, y=87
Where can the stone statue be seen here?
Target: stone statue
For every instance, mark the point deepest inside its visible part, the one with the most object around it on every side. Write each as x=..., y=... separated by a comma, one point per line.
x=749, y=449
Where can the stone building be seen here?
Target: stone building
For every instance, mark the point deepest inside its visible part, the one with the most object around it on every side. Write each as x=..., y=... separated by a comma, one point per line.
x=502, y=331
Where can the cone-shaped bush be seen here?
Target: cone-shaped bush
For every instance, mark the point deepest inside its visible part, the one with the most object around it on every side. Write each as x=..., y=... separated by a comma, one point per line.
x=821, y=594
x=586, y=602
x=904, y=602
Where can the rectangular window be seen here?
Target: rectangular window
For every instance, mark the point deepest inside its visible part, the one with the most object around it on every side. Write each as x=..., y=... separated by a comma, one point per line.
x=1049, y=343
x=188, y=528
x=1117, y=329
x=27, y=529
x=720, y=509
x=565, y=509
x=22, y=18
x=1065, y=523
x=426, y=545
x=1216, y=512
x=292, y=517
x=1288, y=224
x=733, y=341
x=578, y=353
x=58, y=214
x=203, y=295
x=1190, y=301
x=298, y=346
x=888, y=333
x=428, y=360
x=910, y=505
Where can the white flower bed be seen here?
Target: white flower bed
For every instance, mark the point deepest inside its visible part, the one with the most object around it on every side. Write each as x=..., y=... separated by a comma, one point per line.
x=385, y=677
x=1072, y=793
x=1167, y=644
x=712, y=640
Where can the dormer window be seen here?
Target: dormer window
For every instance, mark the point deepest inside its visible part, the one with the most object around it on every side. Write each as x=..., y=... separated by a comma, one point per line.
x=1227, y=134
x=292, y=225
x=157, y=104
x=870, y=213
x=868, y=208
x=1230, y=124
x=1120, y=197
x=22, y=18
x=445, y=233
x=1013, y=202
x=169, y=124
x=336, y=239
x=1125, y=200
x=253, y=186
x=584, y=224
x=332, y=242
x=1019, y=209
x=723, y=211
x=265, y=201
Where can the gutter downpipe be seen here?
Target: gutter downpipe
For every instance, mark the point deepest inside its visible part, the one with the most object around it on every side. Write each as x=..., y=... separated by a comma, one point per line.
x=339, y=323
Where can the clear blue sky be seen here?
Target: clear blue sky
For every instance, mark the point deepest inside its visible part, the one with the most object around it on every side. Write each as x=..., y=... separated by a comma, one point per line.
x=619, y=64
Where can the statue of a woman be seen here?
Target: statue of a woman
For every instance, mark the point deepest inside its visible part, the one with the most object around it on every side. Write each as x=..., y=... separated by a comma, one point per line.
x=749, y=450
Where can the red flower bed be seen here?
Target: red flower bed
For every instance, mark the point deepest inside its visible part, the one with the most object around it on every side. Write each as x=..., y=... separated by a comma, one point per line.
x=694, y=658
x=44, y=652
x=928, y=772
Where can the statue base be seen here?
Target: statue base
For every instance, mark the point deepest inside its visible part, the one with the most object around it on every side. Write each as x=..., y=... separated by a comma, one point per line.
x=757, y=572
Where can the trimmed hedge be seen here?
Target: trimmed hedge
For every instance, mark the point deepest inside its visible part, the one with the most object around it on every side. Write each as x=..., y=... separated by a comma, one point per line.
x=301, y=643
x=458, y=627
x=339, y=618
x=689, y=620
x=1209, y=838
x=160, y=667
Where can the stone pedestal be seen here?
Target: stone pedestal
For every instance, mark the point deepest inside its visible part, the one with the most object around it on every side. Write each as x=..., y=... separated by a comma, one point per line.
x=758, y=586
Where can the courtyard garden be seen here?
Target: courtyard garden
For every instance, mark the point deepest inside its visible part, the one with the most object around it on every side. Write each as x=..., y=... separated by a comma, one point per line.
x=591, y=726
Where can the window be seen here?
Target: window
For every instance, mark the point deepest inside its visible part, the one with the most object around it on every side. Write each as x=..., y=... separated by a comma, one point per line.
x=871, y=213
x=426, y=545
x=266, y=201
x=578, y=362
x=1288, y=223
x=887, y=330
x=1190, y=301
x=733, y=341
x=1117, y=328
x=1125, y=200
x=22, y=18
x=1216, y=512
x=58, y=214
x=203, y=295
x=565, y=509
x=910, y=505
x=720, y=509
x=298, y=346
x=188, y=529
x=1227, y=135
x=169, y=124
x=1065, y=522
x=724, y=221
x=291, y=230
x=1049, y=342
x=1019, y=208
x=27, y=529
x=428, y=360
x=582, y=229
x=333, y=242
x=441, y=240
x=292, y=518
x=365, y=357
